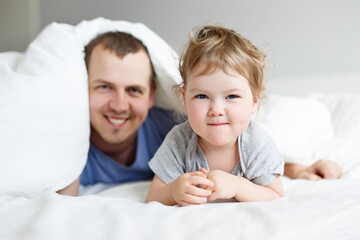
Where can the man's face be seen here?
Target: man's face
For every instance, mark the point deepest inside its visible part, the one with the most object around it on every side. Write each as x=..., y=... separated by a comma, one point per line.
x=120, y=94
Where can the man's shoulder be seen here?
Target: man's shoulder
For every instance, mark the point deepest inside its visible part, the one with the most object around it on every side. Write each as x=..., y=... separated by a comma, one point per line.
x=160, y=115
x=161, y=119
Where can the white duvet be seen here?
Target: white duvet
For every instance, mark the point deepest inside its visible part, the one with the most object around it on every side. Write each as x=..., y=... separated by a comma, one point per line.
x=328, y=209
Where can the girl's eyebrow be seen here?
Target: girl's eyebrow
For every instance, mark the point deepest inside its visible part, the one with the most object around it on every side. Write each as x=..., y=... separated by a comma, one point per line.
x=197, y=90
x=226, y=91
x=235, y=90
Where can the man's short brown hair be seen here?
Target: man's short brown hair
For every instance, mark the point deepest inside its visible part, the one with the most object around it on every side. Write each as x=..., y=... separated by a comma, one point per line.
x=120, y=43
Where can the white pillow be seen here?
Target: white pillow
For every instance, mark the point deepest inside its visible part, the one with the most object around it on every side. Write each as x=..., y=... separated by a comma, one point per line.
x=345, y=112
x=44, y=118
x=298, y=125
x=163, y=57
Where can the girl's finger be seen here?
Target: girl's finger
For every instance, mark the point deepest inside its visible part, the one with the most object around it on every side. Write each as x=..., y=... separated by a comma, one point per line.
x=191, y=200
x=197, y=180
x=197, y=173
x=213, y=196
x=199, y=192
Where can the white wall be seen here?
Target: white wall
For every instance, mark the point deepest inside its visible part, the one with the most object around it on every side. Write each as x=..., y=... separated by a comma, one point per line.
x=302, y=37
x=19, y=24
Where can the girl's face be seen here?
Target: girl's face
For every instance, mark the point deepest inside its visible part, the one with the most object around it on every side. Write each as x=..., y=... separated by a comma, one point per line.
x=219, y=106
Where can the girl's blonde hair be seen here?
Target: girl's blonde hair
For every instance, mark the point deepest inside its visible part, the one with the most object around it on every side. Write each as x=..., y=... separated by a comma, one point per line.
x=221, y=48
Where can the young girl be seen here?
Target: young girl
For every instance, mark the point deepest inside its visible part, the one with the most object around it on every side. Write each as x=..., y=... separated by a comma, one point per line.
x=218, y=153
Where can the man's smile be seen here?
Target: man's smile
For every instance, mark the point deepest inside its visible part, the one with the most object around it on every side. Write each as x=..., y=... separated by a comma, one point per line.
x=116, y=122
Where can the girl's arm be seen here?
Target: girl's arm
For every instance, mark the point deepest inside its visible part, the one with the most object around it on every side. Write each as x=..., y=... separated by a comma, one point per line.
x=228, y=186
x=182, y=191
x=251, y=192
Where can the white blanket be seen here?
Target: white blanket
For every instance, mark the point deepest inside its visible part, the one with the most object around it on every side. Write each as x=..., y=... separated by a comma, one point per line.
x=310, y=210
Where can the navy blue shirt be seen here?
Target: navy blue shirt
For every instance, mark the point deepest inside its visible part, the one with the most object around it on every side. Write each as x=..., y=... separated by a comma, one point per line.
x=101, y=168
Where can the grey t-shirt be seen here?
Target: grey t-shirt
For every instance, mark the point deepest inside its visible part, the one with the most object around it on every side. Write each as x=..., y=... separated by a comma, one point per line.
x=260, y=161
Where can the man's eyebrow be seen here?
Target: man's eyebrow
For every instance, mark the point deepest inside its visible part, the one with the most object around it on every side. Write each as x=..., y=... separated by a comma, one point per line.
x=102, y=81
x=137, y=86
x=99, y=80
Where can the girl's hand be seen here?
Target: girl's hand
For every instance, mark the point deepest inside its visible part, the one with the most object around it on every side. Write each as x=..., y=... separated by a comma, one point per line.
x=224, y=184
x=185, y=192
x=228, y=186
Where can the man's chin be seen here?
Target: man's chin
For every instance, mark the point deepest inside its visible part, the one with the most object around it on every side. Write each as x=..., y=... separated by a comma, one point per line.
x=108, y=140
x=113, y=141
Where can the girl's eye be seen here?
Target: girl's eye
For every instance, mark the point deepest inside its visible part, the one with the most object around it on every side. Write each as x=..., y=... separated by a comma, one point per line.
x=201, y=96
x=232, y=97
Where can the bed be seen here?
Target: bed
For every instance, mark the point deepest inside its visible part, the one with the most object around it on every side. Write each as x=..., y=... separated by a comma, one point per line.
x=318, y=120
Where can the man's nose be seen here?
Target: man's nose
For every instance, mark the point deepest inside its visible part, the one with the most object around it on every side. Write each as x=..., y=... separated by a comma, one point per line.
x=119, y=101
x=216, y=108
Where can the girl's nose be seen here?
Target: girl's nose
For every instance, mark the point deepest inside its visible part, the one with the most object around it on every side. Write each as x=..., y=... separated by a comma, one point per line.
x=216, y=109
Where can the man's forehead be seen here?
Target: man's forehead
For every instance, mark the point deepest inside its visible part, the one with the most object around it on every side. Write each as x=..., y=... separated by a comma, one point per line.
x=102, y=49
x=119, y=83
x=132, y=69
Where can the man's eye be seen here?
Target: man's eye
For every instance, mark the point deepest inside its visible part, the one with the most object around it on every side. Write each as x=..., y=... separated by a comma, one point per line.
x=201, y=96
x=103, y=86
x=232, y=97
x=134, y=90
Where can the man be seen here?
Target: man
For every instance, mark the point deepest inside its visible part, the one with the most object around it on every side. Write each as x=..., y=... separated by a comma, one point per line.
x=321, y=169
x=126, y=130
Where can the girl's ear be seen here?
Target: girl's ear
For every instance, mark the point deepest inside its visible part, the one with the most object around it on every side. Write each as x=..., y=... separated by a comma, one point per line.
x=256, y=100
x=183, y=94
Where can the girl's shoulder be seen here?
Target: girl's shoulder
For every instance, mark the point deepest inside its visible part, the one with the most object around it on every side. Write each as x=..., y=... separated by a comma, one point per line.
x=261, y=156
x=181, y=132
x=256, y=135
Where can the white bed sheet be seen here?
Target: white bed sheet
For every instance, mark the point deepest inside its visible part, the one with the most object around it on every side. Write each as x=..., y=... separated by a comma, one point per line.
x=328, y=209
